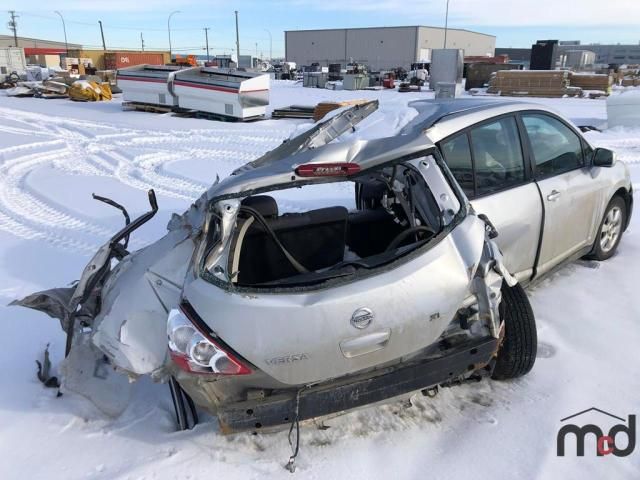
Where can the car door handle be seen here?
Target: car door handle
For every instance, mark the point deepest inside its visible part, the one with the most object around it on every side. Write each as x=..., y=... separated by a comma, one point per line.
x=553, y=196
x=372, y=342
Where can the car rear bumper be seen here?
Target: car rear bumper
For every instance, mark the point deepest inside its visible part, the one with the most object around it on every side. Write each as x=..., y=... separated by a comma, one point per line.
x=279, y=410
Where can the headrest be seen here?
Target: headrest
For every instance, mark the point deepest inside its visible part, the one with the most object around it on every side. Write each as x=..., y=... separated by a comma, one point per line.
x=264, y=204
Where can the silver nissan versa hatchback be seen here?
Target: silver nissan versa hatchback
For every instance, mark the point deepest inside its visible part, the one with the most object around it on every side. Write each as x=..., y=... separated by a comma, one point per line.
x=265, y=316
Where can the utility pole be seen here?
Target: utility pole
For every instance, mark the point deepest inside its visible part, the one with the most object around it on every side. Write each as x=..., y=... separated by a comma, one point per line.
x=237, y=39
x=446, y=23
x=206, y=39
x=13, y=26
x=142, y=41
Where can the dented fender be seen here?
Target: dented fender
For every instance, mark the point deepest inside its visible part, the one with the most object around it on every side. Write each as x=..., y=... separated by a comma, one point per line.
x=131, y=325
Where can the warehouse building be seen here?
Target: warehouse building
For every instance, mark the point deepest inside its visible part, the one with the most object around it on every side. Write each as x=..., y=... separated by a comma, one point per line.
x=34, y=43
x=607, y=54
x=613, y=54
x=381, y=48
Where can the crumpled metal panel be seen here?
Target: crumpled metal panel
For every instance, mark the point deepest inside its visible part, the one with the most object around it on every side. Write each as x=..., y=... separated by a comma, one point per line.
x=131, y=326
x=321, y=134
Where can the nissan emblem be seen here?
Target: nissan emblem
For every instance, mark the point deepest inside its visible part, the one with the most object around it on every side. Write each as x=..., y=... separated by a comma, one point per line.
x=362, y=318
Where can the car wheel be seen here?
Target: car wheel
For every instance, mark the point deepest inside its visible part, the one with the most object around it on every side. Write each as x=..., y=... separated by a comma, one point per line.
x=610, y=231
x=517, y=354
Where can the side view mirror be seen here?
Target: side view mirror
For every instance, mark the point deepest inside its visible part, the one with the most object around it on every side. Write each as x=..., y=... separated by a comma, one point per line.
x=603, y=157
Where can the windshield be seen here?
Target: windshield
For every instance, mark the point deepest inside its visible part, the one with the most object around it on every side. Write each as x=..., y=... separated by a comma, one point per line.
x=308, y=235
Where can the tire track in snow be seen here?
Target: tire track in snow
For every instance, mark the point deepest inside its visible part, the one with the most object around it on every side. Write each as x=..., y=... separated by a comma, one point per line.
x=135, y=157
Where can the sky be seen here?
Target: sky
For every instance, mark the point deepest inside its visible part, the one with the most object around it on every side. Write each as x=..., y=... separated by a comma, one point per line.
x=516, y=23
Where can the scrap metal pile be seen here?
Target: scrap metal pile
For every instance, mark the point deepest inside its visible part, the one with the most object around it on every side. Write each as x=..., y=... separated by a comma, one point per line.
x=90, y=89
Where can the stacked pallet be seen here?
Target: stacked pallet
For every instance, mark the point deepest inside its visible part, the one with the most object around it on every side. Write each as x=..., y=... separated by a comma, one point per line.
x=325, y=107
x=590, y=81
x=532, y=83
x=631, y=82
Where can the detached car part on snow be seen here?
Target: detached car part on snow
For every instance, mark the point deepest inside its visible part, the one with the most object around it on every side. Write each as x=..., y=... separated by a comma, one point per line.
x=266, y=318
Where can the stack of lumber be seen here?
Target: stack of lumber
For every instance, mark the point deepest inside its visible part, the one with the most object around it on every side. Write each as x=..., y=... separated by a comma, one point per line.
x=631, y=82
x=325, y=107
x=294, y=111
x=591, y=81
x=532, y=83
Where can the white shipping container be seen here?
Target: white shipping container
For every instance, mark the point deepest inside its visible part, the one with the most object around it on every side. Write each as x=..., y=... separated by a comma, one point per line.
x=12, y=60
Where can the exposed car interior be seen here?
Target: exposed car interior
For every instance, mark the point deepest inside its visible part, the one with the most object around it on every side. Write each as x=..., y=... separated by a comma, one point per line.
x=395, y=214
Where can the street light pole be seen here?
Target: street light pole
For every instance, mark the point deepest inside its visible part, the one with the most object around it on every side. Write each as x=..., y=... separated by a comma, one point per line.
x=446, y=23
x=169, y=30
x=237, y=39
x=270, y=44
x=64, y=29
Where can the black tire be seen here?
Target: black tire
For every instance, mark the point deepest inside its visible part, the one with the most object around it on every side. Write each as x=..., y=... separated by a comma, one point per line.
x=517, y=353
x=597, y=252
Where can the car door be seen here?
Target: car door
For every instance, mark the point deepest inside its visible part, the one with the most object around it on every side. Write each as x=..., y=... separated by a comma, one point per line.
x=566, y=187
x=488, y=162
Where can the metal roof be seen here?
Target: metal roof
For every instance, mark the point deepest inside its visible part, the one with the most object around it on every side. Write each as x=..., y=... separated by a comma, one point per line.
x=389, y=27
x=441, y=118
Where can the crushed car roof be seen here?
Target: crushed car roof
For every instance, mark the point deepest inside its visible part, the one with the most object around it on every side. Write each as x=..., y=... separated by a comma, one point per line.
x=436, y=118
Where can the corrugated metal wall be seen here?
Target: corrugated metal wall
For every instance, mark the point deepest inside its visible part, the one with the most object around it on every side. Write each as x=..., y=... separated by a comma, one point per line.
x=114, y=60
x=97, y=57
x=473, y=44
x=379, y=48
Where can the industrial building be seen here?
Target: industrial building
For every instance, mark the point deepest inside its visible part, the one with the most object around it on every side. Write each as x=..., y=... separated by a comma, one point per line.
x=607, y=54
x=34, y=43
x=381, y=48
x=48, y=53
x=604, y=54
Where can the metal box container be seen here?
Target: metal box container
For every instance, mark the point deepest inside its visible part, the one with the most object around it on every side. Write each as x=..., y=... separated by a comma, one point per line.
x=222, y=91
x=445, y=90
x=115, y=60
x=314, y=79
x=11, y=60
x=355, y=81
x=150, y=84
x=446, y=66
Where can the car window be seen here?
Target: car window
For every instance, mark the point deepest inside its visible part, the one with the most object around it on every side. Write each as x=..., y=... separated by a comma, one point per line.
x=457, y=154
x=556, y=148
x=497, y=156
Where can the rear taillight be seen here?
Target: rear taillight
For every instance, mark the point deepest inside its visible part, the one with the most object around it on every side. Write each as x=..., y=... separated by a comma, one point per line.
x=196, y=352
x=327, y=169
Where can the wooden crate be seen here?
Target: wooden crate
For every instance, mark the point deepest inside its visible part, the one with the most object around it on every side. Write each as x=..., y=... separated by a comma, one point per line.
x=532, y=83
x=591, y=81
x=325, y=107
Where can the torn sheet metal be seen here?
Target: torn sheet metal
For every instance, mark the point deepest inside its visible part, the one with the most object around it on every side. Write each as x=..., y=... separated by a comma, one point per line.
x=322, y=134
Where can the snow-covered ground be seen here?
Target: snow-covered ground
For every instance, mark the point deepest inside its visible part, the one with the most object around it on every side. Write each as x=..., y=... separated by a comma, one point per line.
x=55, y=153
